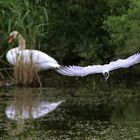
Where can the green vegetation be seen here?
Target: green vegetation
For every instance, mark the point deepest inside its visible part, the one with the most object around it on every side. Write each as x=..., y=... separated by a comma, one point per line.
x=28, y=17
x=75, y=32
x=81, y=32
x=124, y=30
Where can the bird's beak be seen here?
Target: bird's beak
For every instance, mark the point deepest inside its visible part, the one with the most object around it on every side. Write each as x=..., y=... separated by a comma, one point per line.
x=11, y=39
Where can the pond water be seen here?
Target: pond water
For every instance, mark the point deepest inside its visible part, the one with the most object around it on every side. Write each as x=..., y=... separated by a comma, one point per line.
x=79, y=113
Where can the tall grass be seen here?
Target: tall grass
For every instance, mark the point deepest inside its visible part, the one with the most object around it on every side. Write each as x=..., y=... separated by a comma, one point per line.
x=30, y=18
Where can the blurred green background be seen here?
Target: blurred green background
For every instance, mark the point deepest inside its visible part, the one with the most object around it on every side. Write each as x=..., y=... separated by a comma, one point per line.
x=78, y=32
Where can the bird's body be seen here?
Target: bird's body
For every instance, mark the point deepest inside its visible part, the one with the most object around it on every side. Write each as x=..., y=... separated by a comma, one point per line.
x=41, y=60
x=104, y=69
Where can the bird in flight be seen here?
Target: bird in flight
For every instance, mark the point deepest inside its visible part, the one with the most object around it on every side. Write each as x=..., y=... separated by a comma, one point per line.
x=104, y=69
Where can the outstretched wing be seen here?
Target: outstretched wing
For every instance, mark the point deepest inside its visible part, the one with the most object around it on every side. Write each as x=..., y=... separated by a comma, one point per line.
x=124, y=63
x=80, y=71
x=83, y=71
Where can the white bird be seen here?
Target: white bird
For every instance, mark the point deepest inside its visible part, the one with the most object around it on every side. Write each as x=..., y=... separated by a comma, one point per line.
x=41, y=60
x=104, y=69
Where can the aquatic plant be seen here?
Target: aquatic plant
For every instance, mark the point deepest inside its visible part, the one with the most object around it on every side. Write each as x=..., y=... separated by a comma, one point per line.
x=25, y=73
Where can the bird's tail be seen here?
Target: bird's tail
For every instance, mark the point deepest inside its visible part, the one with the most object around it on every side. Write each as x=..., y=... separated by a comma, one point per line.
x=63, y=71
x=73, y=70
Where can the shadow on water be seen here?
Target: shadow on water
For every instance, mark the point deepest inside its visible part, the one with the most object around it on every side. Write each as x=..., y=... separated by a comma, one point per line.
x=99, y=113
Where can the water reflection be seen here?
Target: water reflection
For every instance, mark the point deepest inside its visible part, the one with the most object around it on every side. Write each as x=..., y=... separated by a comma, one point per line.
x=85, y=114
x=26, y=104
x=41, y=109
x=25, y=112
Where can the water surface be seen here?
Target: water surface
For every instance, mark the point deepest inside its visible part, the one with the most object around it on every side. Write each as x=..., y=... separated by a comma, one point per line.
x=97, y=113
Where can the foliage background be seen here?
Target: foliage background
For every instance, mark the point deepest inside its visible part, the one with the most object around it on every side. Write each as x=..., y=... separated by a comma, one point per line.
x=75, y=32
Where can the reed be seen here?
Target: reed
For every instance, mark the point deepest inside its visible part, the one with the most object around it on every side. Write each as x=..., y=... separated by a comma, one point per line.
x=31, y=19
x=26, y=73
x=28, y=17
x=23, y=101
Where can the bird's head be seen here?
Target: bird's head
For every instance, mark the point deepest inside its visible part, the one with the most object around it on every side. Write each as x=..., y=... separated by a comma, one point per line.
x=106, y=75
x=13, y=35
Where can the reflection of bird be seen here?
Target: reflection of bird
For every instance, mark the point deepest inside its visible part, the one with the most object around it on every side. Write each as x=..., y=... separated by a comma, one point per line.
x=40, y=110
x=104, y=69
x=41, y=60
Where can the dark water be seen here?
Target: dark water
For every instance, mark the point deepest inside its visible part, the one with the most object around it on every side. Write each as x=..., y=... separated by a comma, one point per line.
x=95, y=113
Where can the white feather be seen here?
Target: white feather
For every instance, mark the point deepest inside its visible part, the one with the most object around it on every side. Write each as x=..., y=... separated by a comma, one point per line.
x=19, y=54
x=106, y=68
x=40, y=59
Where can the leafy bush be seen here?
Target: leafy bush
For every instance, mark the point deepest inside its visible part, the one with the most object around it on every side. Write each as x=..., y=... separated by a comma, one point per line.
x=75, y=32
x=124, y=30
